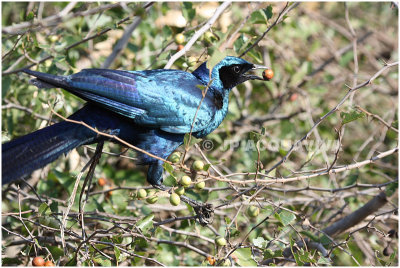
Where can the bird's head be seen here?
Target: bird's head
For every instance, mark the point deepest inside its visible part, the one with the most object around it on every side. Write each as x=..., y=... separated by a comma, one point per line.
x=229, y=72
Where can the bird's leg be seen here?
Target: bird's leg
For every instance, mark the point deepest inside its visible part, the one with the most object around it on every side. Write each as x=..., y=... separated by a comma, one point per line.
x=204, y=211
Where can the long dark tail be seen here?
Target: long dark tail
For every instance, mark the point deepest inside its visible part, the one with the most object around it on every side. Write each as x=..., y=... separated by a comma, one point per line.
x=44, y=80
x=22, y=156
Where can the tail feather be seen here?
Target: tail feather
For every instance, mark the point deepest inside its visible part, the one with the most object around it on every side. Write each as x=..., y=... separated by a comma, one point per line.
x=22, y=156
x=44, y=80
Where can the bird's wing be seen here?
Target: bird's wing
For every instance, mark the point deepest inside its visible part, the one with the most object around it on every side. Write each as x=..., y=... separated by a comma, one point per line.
x=168, y=99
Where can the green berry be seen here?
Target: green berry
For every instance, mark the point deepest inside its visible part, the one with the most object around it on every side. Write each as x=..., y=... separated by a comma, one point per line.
x=198, y=165
x=179, y=38
x=226, y=262
x=174, y=199
x=220, y=241
x=53, y=38
x=200, y=185
x=175, y=157
x=253, y=211
x=141, y=193
x=186, y=181
x=208, y=37
x=152, y=199
x=192, y=61
x=180, y=190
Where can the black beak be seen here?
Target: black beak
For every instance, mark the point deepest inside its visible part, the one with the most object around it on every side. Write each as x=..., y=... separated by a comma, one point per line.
x=252, y=76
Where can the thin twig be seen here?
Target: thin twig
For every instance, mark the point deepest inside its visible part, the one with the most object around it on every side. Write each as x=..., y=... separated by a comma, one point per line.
x=197, y=35
x=351, y=90
x=279, y=19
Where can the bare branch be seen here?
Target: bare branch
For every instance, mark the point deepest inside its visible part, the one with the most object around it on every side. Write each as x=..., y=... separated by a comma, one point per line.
x=197, y=35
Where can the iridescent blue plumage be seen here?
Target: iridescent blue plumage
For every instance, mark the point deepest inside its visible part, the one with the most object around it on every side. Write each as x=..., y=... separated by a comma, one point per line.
x=150, y=109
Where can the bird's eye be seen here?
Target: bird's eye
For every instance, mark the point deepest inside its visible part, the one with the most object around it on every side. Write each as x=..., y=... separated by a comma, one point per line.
x=236, y=69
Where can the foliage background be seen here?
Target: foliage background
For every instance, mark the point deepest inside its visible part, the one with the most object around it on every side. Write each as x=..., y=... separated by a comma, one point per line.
x=128, y=231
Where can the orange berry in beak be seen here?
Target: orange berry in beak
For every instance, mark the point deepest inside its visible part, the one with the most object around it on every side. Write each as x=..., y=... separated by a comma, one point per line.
x=268, y=74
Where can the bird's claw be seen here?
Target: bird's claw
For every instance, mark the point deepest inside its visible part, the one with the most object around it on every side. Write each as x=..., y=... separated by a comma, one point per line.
x=204, y=211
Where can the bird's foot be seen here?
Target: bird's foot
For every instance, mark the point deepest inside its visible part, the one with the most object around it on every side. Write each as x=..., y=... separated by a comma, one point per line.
x=161, y=187
x=204, y=211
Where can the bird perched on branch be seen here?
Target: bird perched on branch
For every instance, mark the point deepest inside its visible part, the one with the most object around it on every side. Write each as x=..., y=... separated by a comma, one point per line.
x=151, y=110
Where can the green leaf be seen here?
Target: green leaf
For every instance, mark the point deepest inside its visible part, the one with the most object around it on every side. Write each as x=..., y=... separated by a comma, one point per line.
x=193, y=140
x=30, y=16
x=146, y=223
x=5, y=85
x=242, y=41
x=297, y=257
x=168, y=168
x=346, y=58
x=56, y=252
x=351, y=116
x=391, y=188
x=117, y=253
x=310, y=235
x=37, y=243
x=244, y=257
x=59, y=58
x=103, y=261
x=255, y=136
x=10, y=261
x=255, y=55
x=44, y=209
x=305, y=256
x=206, y=167
x=285, y=217
x=352, y=179
x=260, y=242
x=395, y=124
x=54, y=207
x=120, y=200
x=188, y=11
x=325, y=241
x=117, y=239
x=234, y=232
x=258, y=17
x=201, y=87
x=323, y=260
x=268, y=254
x=170, y=181
x=268, y=12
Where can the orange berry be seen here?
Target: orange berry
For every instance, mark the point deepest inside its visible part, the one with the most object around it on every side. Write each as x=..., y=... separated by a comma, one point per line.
x=180, y=47
x=211, y=260
x=102, y=181
x=268, y=74
x=293, y=97
x=109, y=194
x=38, y=261
x=49, y=263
